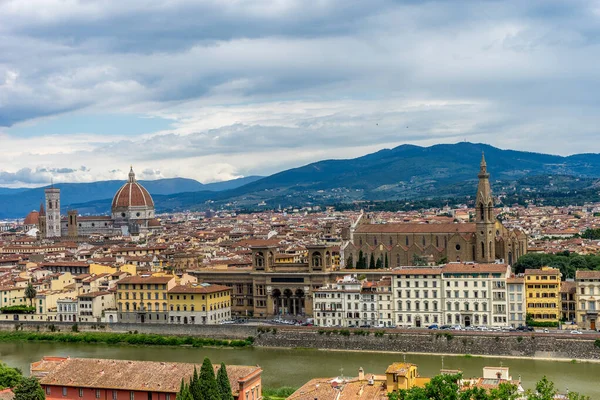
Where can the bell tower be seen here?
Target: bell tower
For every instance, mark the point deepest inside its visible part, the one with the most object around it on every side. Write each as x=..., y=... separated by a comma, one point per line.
x=485, y=249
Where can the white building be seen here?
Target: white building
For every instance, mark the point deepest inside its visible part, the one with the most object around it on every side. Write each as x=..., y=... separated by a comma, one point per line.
x=516, y=301
x=475, y=294
x=417, y=296
x=93, y=305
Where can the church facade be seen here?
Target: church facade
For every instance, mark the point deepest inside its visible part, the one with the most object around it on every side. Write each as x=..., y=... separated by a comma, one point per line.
x=402, y=244
x=132, y=212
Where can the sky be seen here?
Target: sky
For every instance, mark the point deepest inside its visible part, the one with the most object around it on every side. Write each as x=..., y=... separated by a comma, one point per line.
x=215, y=90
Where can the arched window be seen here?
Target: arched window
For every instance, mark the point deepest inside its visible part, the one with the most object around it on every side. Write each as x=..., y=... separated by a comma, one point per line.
x=391, y=241
x=397, y=260
x=375, y=241
x=423, y=240
x=406, y=240
x=492, y=252
x=482, y=249
x=481, y=211
x=437, y=241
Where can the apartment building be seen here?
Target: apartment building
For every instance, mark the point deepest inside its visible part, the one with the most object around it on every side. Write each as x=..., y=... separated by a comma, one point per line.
x=417, y=294
x=542, y=287
x=475, y=294
x=199, y=304
x=588, y=298
x=516, y=301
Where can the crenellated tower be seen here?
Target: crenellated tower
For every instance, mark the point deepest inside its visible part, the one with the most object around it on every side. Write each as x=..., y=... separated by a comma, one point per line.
x=485, y=250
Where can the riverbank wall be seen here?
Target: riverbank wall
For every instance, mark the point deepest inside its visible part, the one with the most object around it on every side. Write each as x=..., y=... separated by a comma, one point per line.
x=540, y=345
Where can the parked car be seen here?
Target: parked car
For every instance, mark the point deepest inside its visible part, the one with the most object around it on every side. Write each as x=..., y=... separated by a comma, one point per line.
x=457, y=328
x=575, y=332
x=434, y=326
x=365, y=326
x=445, y=327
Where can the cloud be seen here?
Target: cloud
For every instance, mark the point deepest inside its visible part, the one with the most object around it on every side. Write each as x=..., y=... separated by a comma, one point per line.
x=256, y=86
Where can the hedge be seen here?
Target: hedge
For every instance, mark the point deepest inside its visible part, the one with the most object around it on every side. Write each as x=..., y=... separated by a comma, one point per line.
x=122, y=338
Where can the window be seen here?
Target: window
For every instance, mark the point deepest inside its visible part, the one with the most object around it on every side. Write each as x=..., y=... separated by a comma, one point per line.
x=131, y=395
x=114, y=394
x=97, y=393
x=47, y=389
x=80, y=392
x=65, y=391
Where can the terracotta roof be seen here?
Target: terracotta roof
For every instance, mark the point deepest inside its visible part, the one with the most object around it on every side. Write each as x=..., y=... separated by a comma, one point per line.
x=475, y=268
x=416, y=228
x=94, y=294
x=417, y=271
x=551, y=271
x=146, y=279
x=31, y=218
x=132, y=194
x=149, y=376
x=201, y=289
x=587, y=274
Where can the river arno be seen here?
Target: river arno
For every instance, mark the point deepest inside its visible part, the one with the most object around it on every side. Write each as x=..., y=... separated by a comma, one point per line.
x=283, y=367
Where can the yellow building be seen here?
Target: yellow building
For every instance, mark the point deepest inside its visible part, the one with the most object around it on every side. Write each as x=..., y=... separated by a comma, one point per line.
x=144, y=299
x=200, y=304
x=542, y=289
x=13, y=296
x=403, y=376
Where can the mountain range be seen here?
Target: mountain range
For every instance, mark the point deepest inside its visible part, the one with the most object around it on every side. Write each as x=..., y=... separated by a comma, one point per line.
x=404, y=172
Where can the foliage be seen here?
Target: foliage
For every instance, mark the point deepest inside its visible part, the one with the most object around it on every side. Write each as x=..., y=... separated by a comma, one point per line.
x=207, y=382
x=18, y=309
x=279, y=393
x=361, y=263
x=379, y=333
x=379, y=263
x=9, y=377
x=446, y=387
x=597, y=343
x=123, y=338
x=372, y=262
x=30, y=293
x=29, y=389
x=386, y=263
x=418, y=260
x=75, y=328
x=223, y=384
x=540, y=324
x=565, y=261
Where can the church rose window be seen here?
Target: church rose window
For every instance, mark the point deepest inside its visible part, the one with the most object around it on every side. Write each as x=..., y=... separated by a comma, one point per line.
x=457, y=246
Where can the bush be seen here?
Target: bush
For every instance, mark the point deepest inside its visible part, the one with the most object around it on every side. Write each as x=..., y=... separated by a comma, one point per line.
x=344, y=332
x=379, y=333
x=17, y=310
x=448, y=336
x=74, y=328
x=597, y=343
x=274, y=330
x=520, y=339
x=321, y=331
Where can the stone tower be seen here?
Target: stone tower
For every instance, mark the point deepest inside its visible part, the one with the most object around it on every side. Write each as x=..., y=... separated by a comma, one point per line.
x=42, y=222
x=52, y=212
x=485, y=251
x=73, y=224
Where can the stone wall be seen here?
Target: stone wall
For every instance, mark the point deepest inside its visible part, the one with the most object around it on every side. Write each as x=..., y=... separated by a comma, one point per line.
x=526, y=345
x=562, y=345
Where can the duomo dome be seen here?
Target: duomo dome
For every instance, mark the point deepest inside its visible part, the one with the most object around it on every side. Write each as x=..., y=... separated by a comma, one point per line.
x=132, y=201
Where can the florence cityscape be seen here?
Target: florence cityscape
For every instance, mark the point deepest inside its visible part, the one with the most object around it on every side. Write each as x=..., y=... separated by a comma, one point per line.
x=278, y=199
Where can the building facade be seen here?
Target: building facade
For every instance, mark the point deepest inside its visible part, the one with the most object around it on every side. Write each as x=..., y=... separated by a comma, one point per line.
x=403, y=244
x=516, y=301
x=144, y=299
x=542, y=287
x=588, y=299
x=199, y=304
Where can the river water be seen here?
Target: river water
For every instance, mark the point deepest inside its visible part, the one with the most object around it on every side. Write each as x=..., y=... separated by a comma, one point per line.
x=294, y=367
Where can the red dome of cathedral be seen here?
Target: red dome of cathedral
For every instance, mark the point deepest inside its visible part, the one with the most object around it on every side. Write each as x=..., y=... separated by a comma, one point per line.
x=132, y=194
x=31, y=218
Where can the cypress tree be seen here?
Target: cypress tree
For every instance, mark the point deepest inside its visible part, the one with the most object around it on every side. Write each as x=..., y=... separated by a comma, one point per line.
x=208, y=383
x=194, y=387
x=372, y=262
x=360, y=264
x=386, y=263
x=223, y=383
x=379, y=263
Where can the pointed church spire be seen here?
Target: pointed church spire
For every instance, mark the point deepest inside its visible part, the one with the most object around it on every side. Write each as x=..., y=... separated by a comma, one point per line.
x=42, y=211
x=483, y=168
x=131, y=174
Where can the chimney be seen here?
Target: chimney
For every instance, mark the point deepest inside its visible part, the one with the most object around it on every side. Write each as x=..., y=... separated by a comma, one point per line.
x=361, y=374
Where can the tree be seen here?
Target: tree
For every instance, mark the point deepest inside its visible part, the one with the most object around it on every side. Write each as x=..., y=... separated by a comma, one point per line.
x=194, y=387
x=474, y=393
x=360, y=264
x=378, y=263
x=223, y=383
x=505, y=391
x=350, y=262
x=29, y=389
x=544, y=390
x=372, y=262
x=386, y=263
x=418, y=260
x=9, y=377
x=184, y=392
x=30, y=293
x=443, y=387
x=208, y=383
